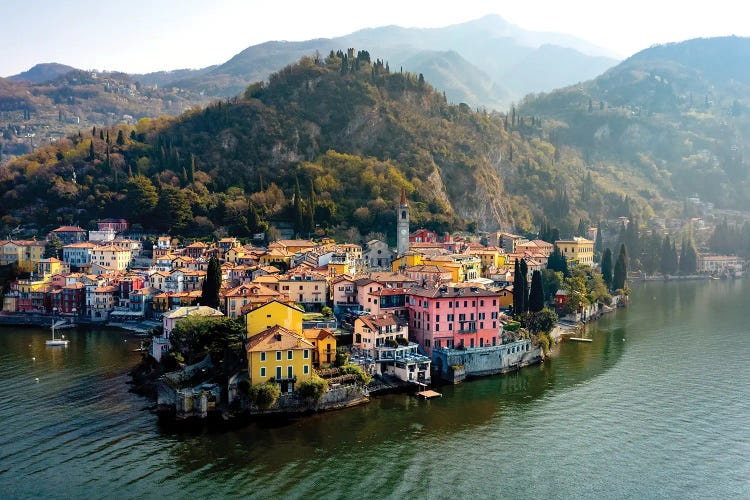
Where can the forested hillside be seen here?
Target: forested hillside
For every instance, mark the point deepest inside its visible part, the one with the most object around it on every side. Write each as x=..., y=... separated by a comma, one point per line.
x=326, y=144
x=677, y=115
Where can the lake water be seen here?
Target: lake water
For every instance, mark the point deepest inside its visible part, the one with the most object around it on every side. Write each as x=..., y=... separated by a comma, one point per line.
x=658, y=405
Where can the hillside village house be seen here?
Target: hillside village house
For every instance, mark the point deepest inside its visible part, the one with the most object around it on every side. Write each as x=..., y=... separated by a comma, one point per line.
x=161, y=344
x=324, y=345
x=452, y=317
x=111, y=257
x=68, y=234
x=377, y=255
x=272, y=314
x=381, y=345
x=279, y=354
x=78, y=255
x=577, y=250
x=309, y=290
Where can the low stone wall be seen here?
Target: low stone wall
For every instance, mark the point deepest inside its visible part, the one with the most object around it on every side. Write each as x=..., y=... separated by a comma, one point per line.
x=455, y=365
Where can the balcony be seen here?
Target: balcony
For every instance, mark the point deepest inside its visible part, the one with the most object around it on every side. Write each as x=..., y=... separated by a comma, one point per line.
x=467, y=330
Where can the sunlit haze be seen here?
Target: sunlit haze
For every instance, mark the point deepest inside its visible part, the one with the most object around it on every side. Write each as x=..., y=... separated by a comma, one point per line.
x=143, y=36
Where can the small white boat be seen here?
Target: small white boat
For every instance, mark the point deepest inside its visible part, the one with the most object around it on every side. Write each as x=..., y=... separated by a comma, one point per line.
x=55, y=342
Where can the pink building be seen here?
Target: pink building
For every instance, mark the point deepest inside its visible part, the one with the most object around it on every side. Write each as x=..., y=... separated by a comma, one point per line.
x=452, y=317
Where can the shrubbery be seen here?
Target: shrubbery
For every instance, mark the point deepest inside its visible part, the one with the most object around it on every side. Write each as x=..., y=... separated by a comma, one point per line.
x=362, y=377
x=312, y=390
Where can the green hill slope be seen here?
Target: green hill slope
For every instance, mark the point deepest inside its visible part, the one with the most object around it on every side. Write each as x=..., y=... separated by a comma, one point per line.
x=327, y=144
x=676, y=115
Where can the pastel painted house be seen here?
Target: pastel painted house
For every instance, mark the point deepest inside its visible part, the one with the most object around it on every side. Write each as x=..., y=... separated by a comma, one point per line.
x=161, y=344
x=448, y=317
x=381, y=346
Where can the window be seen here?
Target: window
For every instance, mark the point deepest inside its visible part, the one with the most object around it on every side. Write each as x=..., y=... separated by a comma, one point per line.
x=290, y=354
x=473, y=303
x=427, y=343
x=481, y=303
x=278, y=372
x=437, y=327
x=466, y=303
x=437, y=305
x=262, y=371
x=289, y=372
x=306, y=369
x=494, y=302
x=278, y=355
x=437, y=317
x=262, y=356
x=306, y=354
x=450, y=326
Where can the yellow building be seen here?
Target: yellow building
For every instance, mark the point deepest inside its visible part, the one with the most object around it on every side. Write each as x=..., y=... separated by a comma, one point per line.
x=29, y=252
x=279, y=354
x=324, y=344
x=292, y=246
x=409, y=259
x=111, y=256
x=463, y=267
x=276, y=256
x=506, y=297
x=577, y=251
x=48, y=267
x=490, y=257
x=272, y=314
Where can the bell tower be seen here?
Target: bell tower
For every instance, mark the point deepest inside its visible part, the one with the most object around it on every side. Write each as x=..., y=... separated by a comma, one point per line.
x=402, y=225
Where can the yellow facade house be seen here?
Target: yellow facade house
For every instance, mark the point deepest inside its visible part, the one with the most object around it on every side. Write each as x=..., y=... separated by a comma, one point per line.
x=577, y=250
x=272, y=314
x=279, y=354
x=324, y=345
x=409, y=259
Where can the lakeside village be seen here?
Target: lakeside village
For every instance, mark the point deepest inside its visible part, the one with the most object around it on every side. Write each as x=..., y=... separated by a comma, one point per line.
x=302, y=325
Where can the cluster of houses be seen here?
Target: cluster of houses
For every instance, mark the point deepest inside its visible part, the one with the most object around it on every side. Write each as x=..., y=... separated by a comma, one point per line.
x=434, y=293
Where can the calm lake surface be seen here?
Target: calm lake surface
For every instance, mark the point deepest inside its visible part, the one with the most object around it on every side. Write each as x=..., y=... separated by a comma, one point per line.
x=658, y=405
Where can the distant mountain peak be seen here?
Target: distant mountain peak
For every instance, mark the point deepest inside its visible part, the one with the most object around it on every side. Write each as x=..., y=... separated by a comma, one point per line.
x=43, y=72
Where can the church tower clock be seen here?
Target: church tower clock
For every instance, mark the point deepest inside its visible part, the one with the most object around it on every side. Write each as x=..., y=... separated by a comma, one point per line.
x=402, y=225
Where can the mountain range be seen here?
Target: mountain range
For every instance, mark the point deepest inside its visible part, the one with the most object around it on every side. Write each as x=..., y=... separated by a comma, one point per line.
x=486, y=62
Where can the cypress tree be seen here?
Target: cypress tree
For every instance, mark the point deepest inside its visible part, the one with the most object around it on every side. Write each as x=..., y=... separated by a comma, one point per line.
x=212, y=284
x=312, y=207
x=91, y=150
x=666, y=256
x=517, y=289
x=120, y=138
x=599, y=243
x=536, y=297
x=621, y=270
x=297, y=207
x=525, y=283
x=607, y=267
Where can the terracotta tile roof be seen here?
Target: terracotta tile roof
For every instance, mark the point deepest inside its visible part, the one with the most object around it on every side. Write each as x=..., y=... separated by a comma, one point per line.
x=276, y=338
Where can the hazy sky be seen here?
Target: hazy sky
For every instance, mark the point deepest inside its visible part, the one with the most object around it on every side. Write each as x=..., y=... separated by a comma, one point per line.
x=150, y=35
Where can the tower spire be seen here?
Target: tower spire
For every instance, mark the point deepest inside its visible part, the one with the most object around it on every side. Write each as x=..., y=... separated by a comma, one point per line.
x=403, y=196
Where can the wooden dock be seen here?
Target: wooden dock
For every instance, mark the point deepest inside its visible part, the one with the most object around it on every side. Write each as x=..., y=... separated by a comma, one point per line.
x=580, y=339
x=429, y=394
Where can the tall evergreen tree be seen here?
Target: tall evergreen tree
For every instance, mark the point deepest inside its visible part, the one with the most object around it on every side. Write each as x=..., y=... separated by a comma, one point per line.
x=620, y=274
x=517, y=289
x=212, y=284
x=536, y=296
x=607, y=267
x=297, y=207
x=524, y=268
x=666, y=257
x=92, y=155
x=598, y=243
x=53, y=248
x=311, y=211
x=120, y=138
